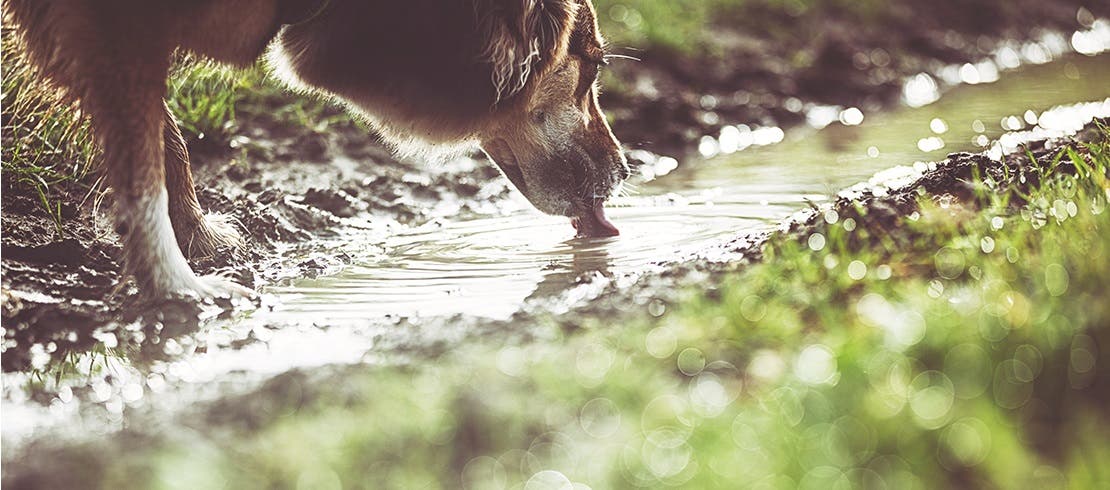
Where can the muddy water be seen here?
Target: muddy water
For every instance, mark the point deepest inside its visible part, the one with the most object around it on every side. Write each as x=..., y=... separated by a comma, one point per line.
x=491, y=266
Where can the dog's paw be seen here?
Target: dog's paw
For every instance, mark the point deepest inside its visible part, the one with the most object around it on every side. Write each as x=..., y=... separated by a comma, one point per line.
x=221, y=288
x=201, y=292
x=190, y=303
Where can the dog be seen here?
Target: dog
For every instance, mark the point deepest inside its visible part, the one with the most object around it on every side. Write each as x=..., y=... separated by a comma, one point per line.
x=517, y=78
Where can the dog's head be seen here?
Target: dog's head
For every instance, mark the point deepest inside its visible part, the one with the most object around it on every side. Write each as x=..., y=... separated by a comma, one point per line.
x=518, y=76
x=549, y=136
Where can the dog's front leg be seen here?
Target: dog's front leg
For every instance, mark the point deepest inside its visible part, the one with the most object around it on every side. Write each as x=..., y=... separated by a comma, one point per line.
x=127, y=114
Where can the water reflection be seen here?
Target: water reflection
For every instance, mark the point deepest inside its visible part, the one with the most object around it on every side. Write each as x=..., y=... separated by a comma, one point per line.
x=490, y=267
x=62, y=362
x=589, y=259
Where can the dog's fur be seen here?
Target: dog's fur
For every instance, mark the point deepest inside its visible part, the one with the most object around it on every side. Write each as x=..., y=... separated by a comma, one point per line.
x=515, y=76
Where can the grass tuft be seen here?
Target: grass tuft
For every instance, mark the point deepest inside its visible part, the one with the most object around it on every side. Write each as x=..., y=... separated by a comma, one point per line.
x=46, y=143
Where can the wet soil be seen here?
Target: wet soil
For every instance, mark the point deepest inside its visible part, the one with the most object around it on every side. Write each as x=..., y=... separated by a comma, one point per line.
x=765, y=64
x=288, y=186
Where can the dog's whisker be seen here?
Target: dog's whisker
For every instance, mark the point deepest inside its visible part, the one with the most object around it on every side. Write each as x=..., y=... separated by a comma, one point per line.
x=621, y=57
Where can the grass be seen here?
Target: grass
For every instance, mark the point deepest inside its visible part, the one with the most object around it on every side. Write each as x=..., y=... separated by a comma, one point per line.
x=686, y=28
x=45, y=143
x=961, y=349
x=48, y=147
x=207, y=99
x=704, y=28
x=203, y=97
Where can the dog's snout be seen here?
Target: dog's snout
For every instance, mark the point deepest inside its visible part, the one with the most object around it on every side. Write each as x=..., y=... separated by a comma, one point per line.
x=608, y=175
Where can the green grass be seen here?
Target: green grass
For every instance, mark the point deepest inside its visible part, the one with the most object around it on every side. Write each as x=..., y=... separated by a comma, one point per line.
x=960, y=350
x=207, y=99
x=203, y=97
x=49, y=150
x=691, y=28
x=45, y=143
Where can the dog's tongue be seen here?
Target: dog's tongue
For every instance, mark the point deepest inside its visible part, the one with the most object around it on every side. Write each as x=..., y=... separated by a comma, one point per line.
x=591, y=222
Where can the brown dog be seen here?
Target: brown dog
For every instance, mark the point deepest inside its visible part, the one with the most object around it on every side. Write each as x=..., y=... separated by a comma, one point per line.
x=517, y=77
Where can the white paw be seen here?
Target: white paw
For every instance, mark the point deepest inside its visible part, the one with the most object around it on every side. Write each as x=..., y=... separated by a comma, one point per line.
x=219, y=287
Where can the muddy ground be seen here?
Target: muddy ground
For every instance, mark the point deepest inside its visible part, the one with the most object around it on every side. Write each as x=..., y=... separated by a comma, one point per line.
x=288, y=190
x=764, y=65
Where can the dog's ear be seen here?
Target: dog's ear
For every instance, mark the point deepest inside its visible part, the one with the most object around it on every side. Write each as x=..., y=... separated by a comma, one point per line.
x=522, y=37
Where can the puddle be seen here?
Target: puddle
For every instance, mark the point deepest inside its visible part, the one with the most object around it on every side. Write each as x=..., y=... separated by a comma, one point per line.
x=489, y=267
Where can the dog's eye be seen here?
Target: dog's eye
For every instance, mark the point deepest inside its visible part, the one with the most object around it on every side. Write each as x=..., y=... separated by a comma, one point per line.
x=539, y=117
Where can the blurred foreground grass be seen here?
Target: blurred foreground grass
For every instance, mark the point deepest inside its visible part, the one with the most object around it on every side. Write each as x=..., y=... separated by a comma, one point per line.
x=958, y=348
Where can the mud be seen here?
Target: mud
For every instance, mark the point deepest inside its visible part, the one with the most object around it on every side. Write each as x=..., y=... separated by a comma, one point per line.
x=290, y=186
x=302, y=196
x=767, y=64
